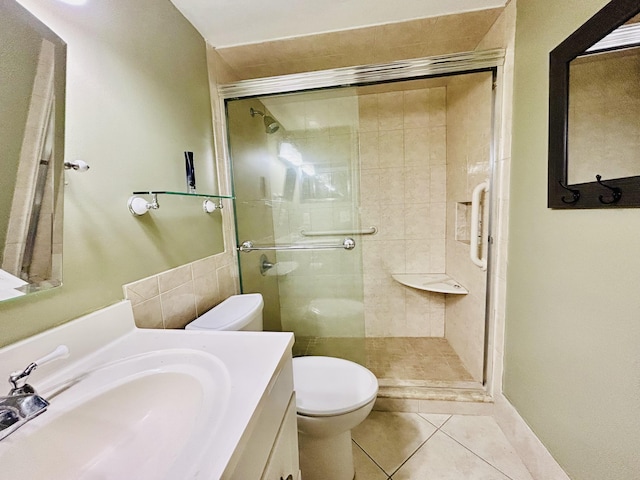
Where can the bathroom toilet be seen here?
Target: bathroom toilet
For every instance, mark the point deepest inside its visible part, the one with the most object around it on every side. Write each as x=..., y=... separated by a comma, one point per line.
x=238, y=312
x=332, y=395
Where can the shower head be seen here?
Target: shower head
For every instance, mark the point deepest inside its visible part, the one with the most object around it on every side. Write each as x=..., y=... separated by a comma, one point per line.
x=270, y=125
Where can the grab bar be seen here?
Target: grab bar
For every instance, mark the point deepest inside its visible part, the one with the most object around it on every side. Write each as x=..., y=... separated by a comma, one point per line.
x=474, y=254
x=327, y=233
x=347, y=244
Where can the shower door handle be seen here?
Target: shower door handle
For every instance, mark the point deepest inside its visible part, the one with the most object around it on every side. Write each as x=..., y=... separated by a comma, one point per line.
x=476, y=232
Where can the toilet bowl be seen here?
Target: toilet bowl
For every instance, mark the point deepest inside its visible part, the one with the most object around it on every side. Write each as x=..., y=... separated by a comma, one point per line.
x=332, y=395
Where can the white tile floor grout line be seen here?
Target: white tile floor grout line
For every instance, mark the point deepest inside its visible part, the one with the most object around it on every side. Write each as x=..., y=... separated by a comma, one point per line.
x=414, y=452
x=477, y=455
x=370, y=458
x=437, y=429
x=425, y=444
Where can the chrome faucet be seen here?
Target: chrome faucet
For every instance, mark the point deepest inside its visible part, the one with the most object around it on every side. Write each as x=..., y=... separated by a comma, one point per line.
x=22, y=403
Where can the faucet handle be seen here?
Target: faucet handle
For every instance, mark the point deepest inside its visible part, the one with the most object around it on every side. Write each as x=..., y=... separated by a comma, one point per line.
x=61, y=351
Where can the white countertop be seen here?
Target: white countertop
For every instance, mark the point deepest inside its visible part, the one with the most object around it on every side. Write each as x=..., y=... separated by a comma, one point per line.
x=252, y=360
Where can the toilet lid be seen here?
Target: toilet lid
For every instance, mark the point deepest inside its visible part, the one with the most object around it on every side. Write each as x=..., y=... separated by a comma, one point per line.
x=234, y=313
x=331, y=386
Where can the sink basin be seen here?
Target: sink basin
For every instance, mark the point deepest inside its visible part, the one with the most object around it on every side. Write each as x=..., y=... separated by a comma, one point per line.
x=142, y=404
x=151, y=414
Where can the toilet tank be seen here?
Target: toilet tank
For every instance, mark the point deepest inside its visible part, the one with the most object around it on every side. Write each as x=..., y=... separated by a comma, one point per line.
x=238, y=312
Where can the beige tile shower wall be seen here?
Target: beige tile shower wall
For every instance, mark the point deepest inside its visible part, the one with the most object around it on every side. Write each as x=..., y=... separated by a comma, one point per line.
x=362, y=46
x=402, y=192
x=173, y=298
x=469, y=99
x=252, y=167
x=490, y=29
x=250, y=129
x=323, y=296
x=321, y=275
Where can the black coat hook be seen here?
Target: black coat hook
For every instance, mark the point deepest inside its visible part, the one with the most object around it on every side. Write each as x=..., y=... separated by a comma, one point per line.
x=574, y=193
x=616, y=193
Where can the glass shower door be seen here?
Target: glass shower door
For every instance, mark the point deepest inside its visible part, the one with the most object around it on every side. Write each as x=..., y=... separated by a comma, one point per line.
x=295, y=164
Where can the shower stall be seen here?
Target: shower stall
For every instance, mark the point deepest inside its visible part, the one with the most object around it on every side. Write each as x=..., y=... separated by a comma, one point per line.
x=355, y=219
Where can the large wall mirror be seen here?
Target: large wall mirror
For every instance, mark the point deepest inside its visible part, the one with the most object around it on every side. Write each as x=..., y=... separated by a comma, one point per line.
x=594, y=112
x=32, y=102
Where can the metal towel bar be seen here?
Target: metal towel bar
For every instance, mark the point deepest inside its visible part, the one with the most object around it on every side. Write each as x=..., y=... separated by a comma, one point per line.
x=347, y=244
x=326, y=233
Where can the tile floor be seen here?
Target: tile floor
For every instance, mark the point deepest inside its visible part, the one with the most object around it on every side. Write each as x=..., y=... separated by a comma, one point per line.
x=395, y=361
x=411, y=446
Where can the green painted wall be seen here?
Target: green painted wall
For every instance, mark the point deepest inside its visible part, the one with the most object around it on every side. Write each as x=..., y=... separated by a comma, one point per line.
x=137, y=97
x=572, y=358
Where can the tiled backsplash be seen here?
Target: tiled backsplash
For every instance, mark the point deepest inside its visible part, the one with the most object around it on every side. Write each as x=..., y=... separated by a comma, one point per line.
x=173, y=298
x=469, y=100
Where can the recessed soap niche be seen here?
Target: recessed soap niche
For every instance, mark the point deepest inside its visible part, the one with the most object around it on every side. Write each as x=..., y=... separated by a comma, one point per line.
x=463, y=222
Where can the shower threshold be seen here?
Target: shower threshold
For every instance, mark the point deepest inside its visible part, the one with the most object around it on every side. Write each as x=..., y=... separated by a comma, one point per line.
x=425, y=368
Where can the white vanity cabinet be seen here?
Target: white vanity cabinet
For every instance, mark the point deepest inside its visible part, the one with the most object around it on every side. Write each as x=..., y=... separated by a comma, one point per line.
x=269, y=447
x=283, y=461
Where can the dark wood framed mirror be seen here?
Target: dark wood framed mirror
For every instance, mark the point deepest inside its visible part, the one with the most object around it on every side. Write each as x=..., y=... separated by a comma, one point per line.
x=594, y=112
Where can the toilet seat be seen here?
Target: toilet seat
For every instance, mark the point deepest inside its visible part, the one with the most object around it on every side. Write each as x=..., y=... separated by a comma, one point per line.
x=327, y=386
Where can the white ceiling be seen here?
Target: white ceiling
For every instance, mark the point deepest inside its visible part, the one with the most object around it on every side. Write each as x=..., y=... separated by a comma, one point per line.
x=224, y=23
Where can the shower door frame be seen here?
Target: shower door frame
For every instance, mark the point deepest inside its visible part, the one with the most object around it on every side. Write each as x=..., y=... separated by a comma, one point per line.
x=412, y=69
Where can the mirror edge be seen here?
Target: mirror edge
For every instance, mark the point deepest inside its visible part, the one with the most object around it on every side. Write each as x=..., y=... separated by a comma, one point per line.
x=59, y=113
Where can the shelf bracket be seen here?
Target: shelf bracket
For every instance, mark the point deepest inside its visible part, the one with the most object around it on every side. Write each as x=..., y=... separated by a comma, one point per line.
x=139, y=206
x=209, y=206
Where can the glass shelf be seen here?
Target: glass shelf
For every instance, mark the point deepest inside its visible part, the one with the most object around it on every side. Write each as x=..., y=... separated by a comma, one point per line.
x=184, y=194
x=139, y=206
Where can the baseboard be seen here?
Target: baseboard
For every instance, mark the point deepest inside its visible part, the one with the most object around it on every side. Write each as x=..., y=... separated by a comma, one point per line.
x=533, y=453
